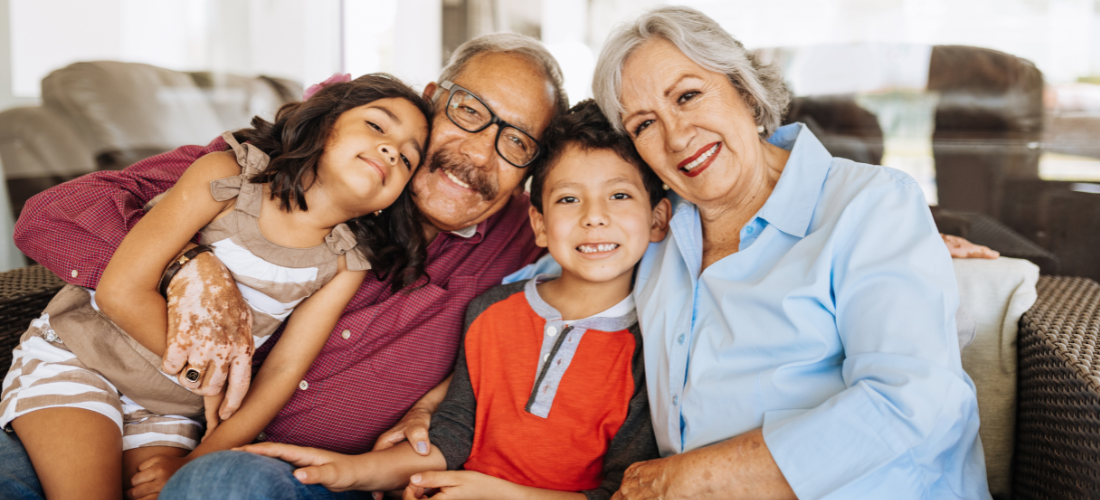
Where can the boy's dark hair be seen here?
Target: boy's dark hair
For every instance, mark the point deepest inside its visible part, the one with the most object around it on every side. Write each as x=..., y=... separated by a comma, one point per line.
x=584, y=126
x=393, y=241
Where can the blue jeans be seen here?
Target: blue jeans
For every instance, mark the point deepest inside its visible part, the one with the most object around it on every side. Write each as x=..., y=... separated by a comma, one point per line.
x=18, y=480
x=241, y=475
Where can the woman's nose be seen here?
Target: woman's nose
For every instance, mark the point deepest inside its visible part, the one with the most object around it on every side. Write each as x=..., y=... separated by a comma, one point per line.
x=389, y=153
x=677, y=133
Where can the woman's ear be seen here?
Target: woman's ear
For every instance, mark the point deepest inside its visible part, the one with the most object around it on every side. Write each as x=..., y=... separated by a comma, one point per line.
x=538, y=224
x=661, y=215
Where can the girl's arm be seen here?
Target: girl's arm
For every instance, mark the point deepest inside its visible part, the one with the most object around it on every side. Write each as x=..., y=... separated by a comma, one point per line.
x=307, y=330
x=127, y=292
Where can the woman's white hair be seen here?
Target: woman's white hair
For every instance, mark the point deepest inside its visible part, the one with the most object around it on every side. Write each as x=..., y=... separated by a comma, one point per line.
x=702, y=40
x=512, y=43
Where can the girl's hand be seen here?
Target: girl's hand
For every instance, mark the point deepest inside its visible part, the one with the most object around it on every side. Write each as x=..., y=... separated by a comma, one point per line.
x=334, y=471
x=458, y=484
x=211, y=404
x=152, y=475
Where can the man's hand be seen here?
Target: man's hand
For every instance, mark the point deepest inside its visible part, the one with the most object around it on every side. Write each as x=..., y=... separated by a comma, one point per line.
x=457, y=485
x=960, y=248
x=335, y=471
x=209, y=330
x=152, y=475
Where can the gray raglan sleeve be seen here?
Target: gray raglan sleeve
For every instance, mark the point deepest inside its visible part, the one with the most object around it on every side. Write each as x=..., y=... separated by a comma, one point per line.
x=452, y=428
x=635, y=441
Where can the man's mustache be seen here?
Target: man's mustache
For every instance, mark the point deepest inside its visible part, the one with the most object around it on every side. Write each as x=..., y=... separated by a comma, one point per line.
x=475, y=177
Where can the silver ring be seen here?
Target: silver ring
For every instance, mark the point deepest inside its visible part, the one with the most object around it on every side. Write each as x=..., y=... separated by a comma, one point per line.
x=192, y=375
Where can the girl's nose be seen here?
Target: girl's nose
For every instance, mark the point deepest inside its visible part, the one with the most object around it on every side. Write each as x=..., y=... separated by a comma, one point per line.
x=389, y=154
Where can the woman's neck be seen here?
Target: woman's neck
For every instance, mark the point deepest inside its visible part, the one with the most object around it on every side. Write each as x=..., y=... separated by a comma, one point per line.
x=723, y=219
x=576, y=298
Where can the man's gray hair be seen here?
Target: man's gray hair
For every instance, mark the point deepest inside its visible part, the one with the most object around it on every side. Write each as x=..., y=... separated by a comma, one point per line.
x=512, y=43
x=702, y=40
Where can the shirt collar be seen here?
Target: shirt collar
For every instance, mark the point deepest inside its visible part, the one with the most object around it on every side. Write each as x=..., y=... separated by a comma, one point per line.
x=467, y=232
x=791, y=205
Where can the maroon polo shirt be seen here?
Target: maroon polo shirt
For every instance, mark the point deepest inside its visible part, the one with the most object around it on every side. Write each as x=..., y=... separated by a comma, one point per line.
x=399, y=345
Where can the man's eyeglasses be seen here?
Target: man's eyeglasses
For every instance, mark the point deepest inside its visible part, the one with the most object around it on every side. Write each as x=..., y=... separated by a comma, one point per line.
x=472, y=115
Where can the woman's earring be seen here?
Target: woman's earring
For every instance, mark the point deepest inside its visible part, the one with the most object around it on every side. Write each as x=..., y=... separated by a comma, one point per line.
x=664, y=186
x=760, y=129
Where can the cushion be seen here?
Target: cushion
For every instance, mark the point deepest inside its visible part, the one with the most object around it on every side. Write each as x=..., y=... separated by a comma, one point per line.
x=994, y=294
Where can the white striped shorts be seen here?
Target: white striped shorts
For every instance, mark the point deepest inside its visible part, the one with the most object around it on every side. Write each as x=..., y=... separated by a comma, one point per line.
x=45, y=374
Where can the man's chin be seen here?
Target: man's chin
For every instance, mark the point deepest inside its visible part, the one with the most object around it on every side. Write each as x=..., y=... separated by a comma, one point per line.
x=449, y=207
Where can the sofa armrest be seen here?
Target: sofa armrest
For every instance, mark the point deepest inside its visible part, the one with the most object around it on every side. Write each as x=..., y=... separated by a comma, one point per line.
x=1057, y=451
x=24, y=293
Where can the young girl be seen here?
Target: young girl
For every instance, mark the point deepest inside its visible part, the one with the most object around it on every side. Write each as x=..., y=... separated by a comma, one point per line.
x=85, y=394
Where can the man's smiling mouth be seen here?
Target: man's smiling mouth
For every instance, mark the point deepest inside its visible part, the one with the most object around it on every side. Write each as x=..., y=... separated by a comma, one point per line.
x=455, y=179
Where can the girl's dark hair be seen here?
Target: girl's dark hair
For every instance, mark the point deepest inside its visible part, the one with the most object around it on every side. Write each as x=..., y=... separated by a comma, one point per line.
x=393, y=241
x=586, y=127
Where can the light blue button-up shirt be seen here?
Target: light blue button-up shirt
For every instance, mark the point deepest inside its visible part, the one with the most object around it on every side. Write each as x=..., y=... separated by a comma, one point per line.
x=833, y=328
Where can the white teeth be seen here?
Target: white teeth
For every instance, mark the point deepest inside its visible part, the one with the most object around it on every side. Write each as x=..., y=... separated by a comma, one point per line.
x=603, y=247
x=702, y=158
x=456, y=180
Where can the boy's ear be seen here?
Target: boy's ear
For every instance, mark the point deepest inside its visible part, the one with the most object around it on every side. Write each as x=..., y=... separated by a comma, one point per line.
x=661, y=215
x=538, y=224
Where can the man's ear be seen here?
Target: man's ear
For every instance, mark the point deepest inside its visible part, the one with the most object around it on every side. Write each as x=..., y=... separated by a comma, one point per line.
x=661, y=215
x=429, y=91
x=538, y=224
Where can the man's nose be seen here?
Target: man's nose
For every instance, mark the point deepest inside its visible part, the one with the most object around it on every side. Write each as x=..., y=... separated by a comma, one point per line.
x=389, y=153
x=480, y=147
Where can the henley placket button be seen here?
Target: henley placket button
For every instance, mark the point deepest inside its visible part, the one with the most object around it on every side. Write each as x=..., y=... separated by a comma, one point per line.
x=551, y=331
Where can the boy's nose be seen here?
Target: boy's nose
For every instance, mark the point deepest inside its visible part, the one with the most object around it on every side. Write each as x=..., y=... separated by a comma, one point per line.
x=389, y=153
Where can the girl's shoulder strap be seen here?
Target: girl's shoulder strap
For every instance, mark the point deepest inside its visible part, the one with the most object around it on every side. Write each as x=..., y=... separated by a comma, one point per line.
x=342, y=241
x=249, y=157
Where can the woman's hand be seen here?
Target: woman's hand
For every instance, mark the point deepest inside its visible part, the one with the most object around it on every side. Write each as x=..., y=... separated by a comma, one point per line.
x=457, y=485
x=335, y=471
x=152, y=475
x=960, y=248
x=653, y=479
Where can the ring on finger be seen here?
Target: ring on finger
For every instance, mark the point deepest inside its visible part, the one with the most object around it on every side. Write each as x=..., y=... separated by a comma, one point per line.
x=193, y=375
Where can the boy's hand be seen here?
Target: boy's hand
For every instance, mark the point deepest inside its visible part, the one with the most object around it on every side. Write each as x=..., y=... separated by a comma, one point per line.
x=334, y=471
x=152, y=475
x=456, y=485
x=961, y=248
x=210, y=330
x=413, y=427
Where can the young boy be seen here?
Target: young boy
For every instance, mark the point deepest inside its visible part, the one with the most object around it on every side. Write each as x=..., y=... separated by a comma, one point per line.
x=548, y=398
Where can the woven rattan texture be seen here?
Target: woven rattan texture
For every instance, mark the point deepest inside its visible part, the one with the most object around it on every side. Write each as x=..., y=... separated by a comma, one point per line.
x=1058, y=414
x=24, y=293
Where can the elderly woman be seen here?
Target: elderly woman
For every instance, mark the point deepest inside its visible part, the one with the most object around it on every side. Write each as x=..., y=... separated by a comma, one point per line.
x=799, y=320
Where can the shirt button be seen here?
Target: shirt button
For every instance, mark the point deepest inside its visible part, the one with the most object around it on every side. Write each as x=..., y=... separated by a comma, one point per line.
x=261, y=436
x=675, y=400
x=303, y=385
x=680, y=339
x=551, y=331
x=545, y=357
x=346, y=334
x=74, y=273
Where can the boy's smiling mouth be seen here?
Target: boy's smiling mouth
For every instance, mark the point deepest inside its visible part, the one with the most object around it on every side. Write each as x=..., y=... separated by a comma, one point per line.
x=590, y=248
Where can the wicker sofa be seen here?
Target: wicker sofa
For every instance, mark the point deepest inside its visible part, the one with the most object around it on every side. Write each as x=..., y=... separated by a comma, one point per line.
x=1057, y=446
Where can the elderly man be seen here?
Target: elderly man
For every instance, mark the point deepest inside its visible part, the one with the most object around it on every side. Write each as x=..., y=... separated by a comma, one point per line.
x=388, y=349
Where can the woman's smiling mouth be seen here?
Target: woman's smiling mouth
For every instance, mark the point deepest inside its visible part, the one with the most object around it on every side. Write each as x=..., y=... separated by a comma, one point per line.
x=700, y=160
